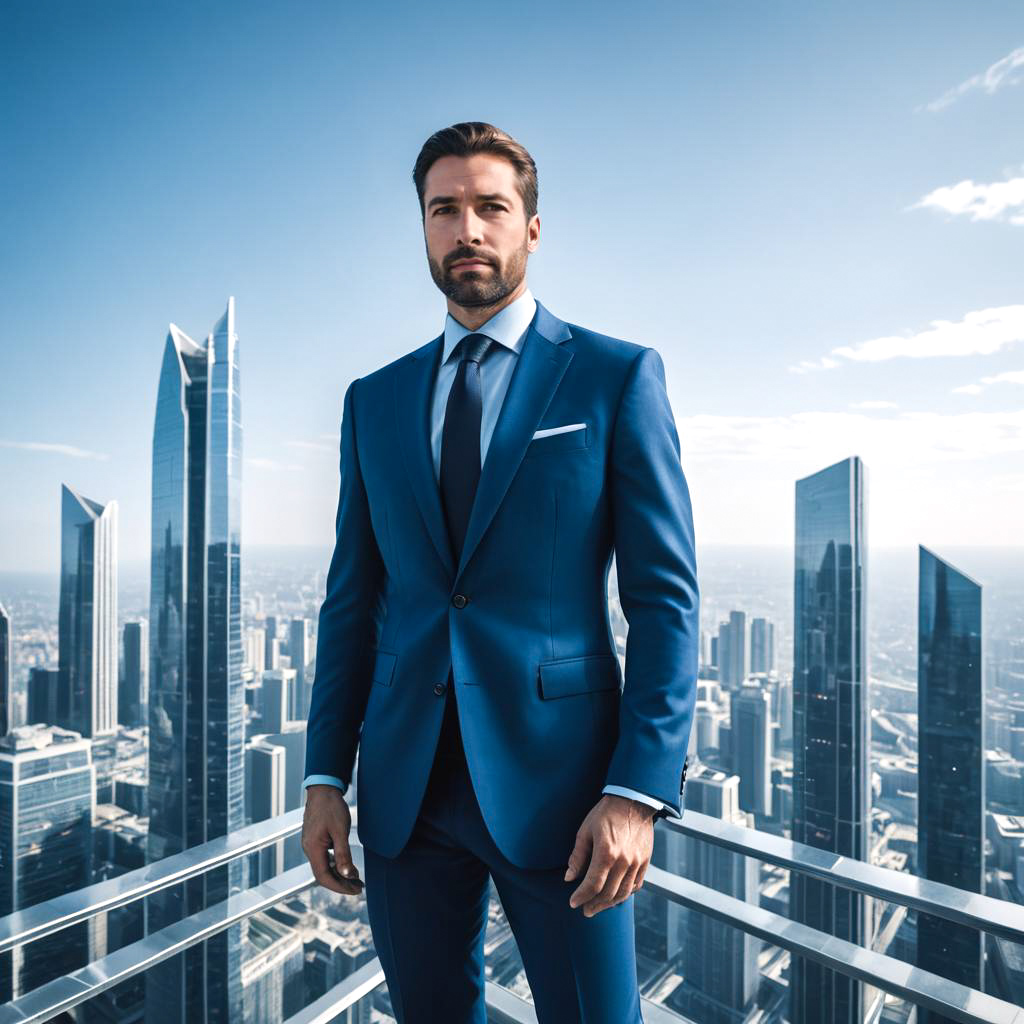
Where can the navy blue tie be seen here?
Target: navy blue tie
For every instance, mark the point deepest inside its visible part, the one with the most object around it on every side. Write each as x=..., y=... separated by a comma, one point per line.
x=460, y=440
x=460, y=474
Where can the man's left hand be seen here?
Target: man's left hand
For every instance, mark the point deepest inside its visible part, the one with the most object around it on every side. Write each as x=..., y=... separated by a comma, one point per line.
x=618, y=837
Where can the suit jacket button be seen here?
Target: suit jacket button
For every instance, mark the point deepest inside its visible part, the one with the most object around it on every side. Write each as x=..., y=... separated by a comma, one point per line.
x=439, y=688
x=460, y=600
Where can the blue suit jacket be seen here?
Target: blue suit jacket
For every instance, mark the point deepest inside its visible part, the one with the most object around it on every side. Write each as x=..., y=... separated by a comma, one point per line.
x=545, y=719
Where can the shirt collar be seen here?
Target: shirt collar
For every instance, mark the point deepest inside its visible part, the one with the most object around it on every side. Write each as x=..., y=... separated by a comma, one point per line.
x=507, y=326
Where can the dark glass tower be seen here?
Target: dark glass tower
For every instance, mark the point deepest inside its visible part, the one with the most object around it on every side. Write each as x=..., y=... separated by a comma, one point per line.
x=951, y=775
x=87, y=616
x=196, y=696
x=830, y=725
x=133, y=696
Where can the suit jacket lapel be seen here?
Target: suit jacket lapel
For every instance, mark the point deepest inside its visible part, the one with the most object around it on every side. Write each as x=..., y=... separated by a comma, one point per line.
x=541, y=364
x=414, y=386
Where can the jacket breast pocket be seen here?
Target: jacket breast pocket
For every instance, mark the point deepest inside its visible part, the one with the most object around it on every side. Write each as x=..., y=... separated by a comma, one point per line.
x=590, y=673
x=563, y=441
x=384, y=666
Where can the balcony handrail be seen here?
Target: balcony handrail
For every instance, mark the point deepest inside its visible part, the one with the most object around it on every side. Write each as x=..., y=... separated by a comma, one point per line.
x=64, y=993
x=897, y=977
x=921, y=987
x=986, y=913
x=80, y=904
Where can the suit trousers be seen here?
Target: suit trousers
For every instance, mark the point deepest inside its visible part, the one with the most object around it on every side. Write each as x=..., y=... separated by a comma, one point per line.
x=428, y=910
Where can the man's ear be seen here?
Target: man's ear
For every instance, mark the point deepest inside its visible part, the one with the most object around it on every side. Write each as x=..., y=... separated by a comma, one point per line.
x=534, y=220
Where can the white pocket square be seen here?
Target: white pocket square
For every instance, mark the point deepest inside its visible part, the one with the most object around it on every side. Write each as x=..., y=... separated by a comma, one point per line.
x=559, y=430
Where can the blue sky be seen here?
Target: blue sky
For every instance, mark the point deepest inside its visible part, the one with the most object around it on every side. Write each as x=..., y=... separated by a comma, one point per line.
x=803, y=207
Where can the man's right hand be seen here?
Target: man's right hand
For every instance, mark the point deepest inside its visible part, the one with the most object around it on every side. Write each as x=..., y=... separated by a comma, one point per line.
x=326, y=824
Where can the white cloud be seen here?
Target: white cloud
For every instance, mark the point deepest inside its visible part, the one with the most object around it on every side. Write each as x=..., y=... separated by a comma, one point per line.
x=1003, y=72
x=58, y=449
x=873, y=403
x=906, y=439
x=1009, y=377
x=999, y=200
x=980, y=332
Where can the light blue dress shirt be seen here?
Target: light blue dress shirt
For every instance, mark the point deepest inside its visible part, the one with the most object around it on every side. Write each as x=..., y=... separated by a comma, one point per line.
x=507, y=327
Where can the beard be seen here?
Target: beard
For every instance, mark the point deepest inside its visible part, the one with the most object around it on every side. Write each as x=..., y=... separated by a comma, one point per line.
x=484, y=287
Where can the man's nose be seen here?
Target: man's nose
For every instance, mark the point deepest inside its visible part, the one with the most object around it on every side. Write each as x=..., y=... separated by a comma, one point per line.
x=469, y=228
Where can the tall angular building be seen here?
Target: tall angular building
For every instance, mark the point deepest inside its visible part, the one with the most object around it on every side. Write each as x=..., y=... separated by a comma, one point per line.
x=196, y=695
x=87, y=616
x=831, y=808
x=951, y=774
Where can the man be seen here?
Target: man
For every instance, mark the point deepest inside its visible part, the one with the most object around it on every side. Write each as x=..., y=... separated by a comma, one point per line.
x=486, y=479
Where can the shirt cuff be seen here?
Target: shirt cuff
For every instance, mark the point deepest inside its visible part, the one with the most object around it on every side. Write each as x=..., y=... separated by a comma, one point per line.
x=324, y=780
x=651, y=801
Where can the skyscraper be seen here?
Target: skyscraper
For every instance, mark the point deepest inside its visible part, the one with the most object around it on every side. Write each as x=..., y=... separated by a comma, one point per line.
x=752, y=747
x=732, y=651
x=299, y=649
x=134, y=693
x=6, y=671
x=196, y=696
x=87, y=617
x=43, y=688
x=762, y=645
x=270, y=657
x=951, y=773
x=46, y=812
x=830, y=724
x=718, y=961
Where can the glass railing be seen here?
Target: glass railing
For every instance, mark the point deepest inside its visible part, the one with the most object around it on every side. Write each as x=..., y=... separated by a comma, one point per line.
x=886, y=973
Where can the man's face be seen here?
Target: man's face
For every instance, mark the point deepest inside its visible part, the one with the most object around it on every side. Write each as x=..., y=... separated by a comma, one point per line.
x=473, y=211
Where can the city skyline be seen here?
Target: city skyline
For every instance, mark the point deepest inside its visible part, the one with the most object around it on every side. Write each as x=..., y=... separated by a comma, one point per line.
x=852, y=432
x=874, y=252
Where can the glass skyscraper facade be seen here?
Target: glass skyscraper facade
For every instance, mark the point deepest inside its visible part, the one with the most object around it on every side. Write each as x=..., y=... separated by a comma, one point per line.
x=196, y=695
x=830, y=724
x=87, y=616
x=951, y=772
x=46, y=812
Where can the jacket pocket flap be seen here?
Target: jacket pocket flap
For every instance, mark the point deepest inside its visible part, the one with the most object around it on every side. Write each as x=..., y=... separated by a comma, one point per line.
x=567, y=676
x=384, y=667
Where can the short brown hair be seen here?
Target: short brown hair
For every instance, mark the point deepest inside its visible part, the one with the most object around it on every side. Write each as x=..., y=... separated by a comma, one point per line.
x=468, y=137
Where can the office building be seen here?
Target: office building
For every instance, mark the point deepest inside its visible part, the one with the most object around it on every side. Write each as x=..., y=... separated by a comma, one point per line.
x=134, y=696
x=830, y=725
x=762, y=645
x=196, y=691
x=752, y=747
x=43, y=687
x=951, y=775
x=732, y=651
x=87, y=616
x=46, y=813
